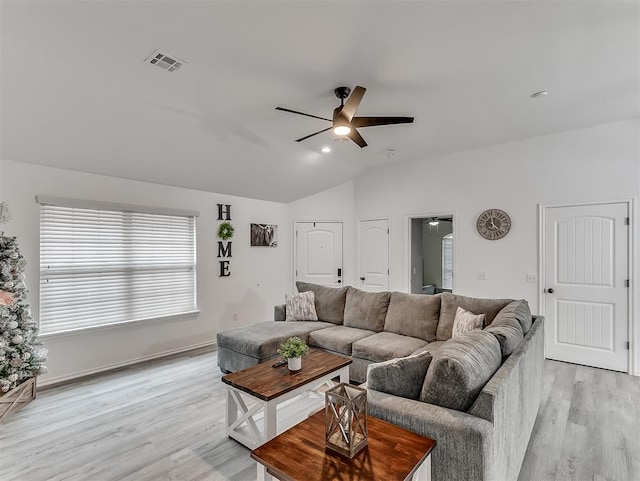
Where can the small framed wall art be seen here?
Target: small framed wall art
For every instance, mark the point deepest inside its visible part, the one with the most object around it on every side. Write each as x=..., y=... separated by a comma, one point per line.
x=264, y=235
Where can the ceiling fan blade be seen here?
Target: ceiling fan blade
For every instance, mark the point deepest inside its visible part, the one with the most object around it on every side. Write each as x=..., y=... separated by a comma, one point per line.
x=302, y=113
x=357, y=138
x=352, y=103
x=311, y=135
x=373, y=121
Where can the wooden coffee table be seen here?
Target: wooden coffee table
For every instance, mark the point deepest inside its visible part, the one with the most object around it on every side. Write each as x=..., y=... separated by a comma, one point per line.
x=255, y=392
x=299, y=454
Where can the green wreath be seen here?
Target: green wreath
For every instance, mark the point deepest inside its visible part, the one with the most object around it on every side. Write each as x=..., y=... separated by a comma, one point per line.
x=225, y=231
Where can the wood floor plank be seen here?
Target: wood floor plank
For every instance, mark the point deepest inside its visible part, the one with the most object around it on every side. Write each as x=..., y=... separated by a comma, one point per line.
x=165, y=421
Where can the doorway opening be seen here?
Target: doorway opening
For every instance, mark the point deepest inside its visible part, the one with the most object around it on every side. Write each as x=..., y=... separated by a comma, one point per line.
x=431, y=258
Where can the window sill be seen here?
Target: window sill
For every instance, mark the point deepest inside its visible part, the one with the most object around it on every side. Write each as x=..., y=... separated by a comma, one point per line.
x=119, y=325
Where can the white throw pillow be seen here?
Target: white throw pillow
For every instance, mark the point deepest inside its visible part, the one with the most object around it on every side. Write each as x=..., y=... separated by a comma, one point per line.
x=466, y=321
x=300, y=307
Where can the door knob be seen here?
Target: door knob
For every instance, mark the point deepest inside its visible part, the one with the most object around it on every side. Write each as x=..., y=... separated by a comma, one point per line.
x=339, y=281
x=550, y=290
x=362, y=278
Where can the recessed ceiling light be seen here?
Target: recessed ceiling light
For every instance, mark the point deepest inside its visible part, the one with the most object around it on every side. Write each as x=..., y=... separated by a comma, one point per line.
x=537, y=95
x=326, y=150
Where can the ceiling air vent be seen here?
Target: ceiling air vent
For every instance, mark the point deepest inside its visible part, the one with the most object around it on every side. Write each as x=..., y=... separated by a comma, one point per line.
x=164, y=61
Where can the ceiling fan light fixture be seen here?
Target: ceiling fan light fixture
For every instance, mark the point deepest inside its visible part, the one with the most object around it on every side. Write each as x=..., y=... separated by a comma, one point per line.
x=434, y=222
x=326, y=150
x=342, y=130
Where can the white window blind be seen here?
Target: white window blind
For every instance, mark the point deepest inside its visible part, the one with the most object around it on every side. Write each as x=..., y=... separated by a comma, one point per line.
x=447, y=261
x=100, y=267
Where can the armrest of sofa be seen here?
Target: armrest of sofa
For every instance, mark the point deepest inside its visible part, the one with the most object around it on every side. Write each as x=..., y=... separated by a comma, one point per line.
x=279, y=313
x=511, y=398
x=465, y=442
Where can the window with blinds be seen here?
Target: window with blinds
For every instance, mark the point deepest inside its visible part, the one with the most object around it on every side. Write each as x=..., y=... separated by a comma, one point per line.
x=447, y=261
x=101, y=266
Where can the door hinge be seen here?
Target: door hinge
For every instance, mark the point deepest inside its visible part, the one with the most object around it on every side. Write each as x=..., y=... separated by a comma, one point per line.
x=628, y=345
x=388, y=231
x=296, y=233
x=627, y=221
x=296, y=273
x=626, y=283
x=387, y=271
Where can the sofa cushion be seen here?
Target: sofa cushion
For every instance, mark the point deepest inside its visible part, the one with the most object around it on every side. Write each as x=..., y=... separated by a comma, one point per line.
x=451, y=302
x=386, y=345
x=431, y=347
x=518, y=310
x=402, y=377
x=329, y=301
x=414, y=315
x=460, y=369
x=262, y=340
x=508, y=333
x=366, y=310
x=300, y=307
x=338, y=338
x=466, y=321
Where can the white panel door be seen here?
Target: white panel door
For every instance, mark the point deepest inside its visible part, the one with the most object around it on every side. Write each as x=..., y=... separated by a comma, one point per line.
x=319, y=253
x=586, y=293
x=374, y=255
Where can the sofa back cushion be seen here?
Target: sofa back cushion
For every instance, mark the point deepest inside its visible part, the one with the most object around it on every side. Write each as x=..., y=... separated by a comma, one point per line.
x=450, y=303
x=459, y=370
x=402, y=376
x=518, y=310
x=508, y=333
x=414, y=315
x=329, y=301
x=366, y=310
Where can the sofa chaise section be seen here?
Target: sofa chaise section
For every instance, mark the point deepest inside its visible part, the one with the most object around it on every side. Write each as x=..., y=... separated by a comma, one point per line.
x=244, y=347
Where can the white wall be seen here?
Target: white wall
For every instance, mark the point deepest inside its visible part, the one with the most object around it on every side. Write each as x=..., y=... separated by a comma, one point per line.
x=600, y=163
x=259, y=276
x=335, y=204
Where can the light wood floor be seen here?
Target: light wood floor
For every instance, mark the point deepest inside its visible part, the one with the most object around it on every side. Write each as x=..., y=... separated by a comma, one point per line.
x=165, y=421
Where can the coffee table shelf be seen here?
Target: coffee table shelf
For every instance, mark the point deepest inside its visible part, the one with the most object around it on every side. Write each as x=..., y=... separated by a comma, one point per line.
x=254, y=394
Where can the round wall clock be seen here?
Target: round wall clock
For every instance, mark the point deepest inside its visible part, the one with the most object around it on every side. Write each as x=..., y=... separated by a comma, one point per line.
x=493, y=224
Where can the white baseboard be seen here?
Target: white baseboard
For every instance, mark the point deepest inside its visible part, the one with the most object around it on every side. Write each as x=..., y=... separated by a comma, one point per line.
x=109, y=367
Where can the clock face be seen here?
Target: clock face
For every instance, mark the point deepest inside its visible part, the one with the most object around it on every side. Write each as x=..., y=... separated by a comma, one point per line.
x=493, y=224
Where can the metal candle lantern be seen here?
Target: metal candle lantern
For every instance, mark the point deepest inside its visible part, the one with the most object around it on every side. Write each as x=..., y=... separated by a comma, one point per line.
x=346, y=419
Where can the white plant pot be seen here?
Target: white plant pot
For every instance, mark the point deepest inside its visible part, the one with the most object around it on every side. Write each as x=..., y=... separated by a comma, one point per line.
x=294, y=363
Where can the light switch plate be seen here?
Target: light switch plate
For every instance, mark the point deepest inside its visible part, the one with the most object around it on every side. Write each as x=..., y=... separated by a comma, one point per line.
x=532, y=278
x=482, y=276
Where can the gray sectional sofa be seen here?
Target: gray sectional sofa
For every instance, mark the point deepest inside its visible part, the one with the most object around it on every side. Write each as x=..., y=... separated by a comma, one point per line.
x=477, y=394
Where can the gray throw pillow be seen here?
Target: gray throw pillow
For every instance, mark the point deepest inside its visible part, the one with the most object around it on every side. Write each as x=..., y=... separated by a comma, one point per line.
x=366, y=310
x=401, y=377
x=413, y=315
x=300, y=307
x=451, y=302
x=459, y=370
x=518, y=310
x=329, y=301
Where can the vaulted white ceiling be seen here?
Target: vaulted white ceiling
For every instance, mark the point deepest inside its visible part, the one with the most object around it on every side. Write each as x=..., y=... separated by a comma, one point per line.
x=76, y=93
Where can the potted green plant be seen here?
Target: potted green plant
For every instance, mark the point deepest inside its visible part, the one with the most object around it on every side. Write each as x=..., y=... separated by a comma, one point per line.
x=292, y=350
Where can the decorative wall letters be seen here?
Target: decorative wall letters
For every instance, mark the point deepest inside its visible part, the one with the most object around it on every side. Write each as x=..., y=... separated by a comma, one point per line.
x=225, y=232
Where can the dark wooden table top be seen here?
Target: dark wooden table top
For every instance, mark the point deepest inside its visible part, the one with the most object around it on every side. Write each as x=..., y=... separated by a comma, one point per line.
x=299, y=454
x=267, y=382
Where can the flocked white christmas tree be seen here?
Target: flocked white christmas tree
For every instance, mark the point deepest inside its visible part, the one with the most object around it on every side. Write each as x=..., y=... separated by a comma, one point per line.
x=21, y=355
